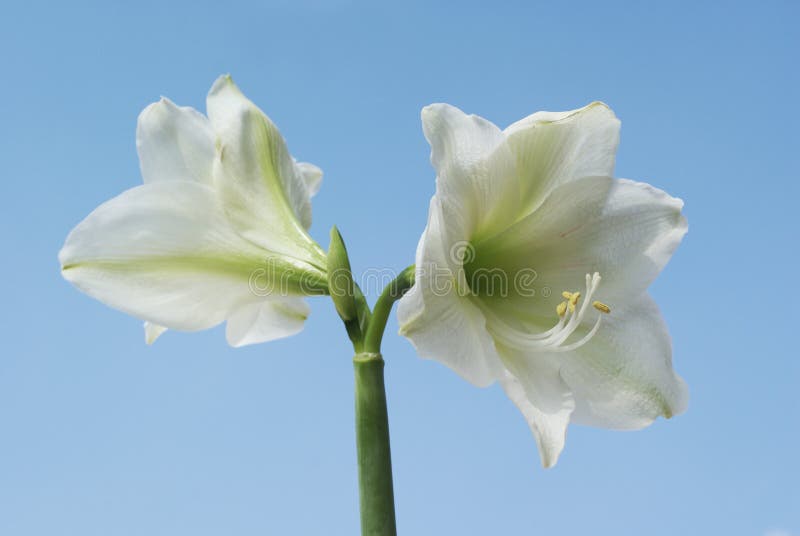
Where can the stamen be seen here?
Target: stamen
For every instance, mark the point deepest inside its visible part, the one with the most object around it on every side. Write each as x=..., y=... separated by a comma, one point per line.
x=571, y=314
x=583, y=341
x=573, y=301
x=602, y=307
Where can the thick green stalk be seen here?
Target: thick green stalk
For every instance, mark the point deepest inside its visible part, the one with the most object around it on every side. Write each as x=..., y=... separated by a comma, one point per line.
x=374, y=455
x=372, y=421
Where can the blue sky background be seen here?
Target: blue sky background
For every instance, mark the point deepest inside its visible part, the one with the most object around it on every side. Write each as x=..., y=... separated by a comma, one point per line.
x=102, y=435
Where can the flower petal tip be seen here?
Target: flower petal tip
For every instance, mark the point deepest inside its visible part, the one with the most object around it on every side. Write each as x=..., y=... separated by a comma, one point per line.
x=680, y=402
x=222, y=83
x=548, y=463
x=431, y=111
x=152, y=332
x=431, y=108
x=153, y=111
x=598, y=104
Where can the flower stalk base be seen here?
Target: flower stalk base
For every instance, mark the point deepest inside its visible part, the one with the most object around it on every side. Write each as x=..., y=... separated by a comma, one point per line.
x=374, y=454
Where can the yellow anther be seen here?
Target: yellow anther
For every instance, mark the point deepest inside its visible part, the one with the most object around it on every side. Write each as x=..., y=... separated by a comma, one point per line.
x=602, y=307
x=561, y=309
x=567, y=295
x=573, y=300
x=571, y=307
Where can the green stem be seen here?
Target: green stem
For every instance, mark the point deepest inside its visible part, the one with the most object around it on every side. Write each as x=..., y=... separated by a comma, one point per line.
x=380, y=314
x=372, y=420
x=374, y=455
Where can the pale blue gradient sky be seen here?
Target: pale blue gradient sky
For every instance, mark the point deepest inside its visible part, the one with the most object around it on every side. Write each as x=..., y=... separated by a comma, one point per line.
x=101, y=435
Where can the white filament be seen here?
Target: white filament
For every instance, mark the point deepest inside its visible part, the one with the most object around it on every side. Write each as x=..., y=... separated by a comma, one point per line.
x=554, y=338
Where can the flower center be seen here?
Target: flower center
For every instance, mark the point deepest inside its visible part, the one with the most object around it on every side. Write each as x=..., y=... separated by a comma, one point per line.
x=571, y=312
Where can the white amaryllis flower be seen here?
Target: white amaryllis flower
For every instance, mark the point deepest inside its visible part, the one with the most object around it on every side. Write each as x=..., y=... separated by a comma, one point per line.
x=534, y=267
x=217, y=232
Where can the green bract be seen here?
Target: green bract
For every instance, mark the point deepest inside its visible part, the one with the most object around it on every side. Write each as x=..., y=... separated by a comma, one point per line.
x=534, y=267
x=217, y=232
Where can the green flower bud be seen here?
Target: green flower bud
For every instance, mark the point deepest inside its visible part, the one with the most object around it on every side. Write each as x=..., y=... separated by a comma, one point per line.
x=340, y=278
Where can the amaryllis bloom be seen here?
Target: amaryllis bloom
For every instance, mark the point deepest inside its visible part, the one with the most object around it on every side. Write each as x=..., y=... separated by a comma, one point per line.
x=217, y=232
x=534, y=267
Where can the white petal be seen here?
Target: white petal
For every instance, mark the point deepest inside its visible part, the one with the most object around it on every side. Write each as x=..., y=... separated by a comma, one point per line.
x=623, y=377
x=552, y=148
x=476, y=174
x=312, y=176
x=266, y=321
x=626, y=231
x=534, y=384
x=549, y=427
x=263, y=191
x=440, y=323
x=174, y=143
x=152, y=332
x=163, y=252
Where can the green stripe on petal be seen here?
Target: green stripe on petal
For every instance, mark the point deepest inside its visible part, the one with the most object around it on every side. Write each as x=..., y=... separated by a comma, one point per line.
x=166, y=252
x=264, y=193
